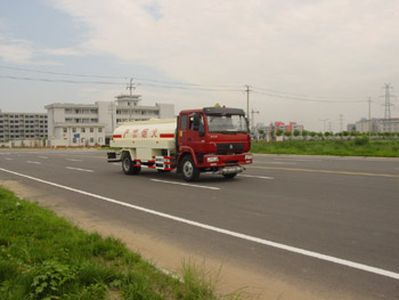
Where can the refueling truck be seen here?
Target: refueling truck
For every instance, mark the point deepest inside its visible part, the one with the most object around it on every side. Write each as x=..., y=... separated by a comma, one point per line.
x=211, y=139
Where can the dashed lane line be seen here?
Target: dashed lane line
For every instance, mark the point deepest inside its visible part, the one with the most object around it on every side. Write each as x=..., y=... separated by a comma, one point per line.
x=327, y=171
x=79, y=169
x=256, y=176
x=7, y=158
x=34, y=162
x=43, y=157
x=186, y=184
x=227, y=232
x=73, y=159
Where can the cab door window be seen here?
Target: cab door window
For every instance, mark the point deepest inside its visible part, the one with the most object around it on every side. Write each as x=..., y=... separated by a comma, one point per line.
x=183, y=122
x=196, y=122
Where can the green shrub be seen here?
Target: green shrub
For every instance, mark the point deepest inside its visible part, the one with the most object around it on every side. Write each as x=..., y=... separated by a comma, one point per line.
x=361, y=141
x=50, y=278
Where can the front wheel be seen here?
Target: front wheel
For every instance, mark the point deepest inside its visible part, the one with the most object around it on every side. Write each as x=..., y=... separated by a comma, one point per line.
x=127, y=166
x=230, y=176
x=189, y=170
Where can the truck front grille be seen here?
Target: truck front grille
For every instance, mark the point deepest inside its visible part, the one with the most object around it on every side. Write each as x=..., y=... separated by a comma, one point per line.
x=227, y=148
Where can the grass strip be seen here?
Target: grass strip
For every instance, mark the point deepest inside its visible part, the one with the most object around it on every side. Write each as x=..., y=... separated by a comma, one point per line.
x=43, y=256
x=357, y=147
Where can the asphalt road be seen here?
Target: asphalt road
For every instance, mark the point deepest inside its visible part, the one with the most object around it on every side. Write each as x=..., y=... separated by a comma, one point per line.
x=329, y=225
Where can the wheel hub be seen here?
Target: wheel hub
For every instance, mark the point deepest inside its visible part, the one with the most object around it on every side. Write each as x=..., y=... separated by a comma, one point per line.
x=188, y=169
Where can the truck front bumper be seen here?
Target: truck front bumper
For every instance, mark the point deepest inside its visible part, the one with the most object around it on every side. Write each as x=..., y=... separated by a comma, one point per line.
x=230, y=160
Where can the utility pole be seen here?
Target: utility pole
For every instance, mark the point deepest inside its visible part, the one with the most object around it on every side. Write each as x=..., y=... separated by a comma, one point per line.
x=131, y=86
x=248, y=90
x=387, y=114
x=330, y=126
x=341, y=123
x=253, y=112
x=370, y=124
x=324, y=124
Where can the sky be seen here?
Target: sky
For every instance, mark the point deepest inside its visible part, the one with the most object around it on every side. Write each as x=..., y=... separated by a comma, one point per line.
x=305, y=60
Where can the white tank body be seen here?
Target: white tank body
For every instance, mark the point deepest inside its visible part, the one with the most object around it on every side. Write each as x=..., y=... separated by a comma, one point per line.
x=146, y=139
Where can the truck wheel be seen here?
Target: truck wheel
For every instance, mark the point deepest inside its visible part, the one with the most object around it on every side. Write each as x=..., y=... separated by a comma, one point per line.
x=230, y=176
x=189, y=170
x=127, y=165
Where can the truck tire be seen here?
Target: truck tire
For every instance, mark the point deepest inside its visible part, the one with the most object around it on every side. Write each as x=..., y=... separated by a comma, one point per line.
x=230, y=176
x=127, y=165
x=189, y=170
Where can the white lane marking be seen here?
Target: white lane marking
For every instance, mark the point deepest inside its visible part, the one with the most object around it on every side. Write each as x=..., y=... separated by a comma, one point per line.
x=43, y=157
x=33, y=162
x=256, y=176
x=7, y=158
x=79, y=169
x=73, y=159
x=327, y=171
x=186, y=184
x=324, y=257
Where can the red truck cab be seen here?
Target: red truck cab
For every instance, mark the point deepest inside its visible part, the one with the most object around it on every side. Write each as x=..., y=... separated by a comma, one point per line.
x=212, y=139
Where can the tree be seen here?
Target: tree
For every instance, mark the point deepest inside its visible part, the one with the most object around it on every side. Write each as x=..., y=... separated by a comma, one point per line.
x=297, y=132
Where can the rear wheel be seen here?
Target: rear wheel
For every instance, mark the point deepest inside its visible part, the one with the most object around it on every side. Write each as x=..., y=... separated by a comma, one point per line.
x=189, y=170
x=230, y=176
x=127, y=165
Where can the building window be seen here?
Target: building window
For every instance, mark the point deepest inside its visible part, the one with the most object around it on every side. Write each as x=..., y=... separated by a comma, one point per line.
x=100, y=130
x=83, y=130
x=100, y=140
x=65, y=130
x=74, y=130
x=91, y=140
x=91, y=129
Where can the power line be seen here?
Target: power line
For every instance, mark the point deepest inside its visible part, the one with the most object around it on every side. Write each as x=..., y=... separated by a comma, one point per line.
x=59, y=80
x=114, y=83
x=115, y=77
x=173, y=85
x=305, y=99
x=273, y=91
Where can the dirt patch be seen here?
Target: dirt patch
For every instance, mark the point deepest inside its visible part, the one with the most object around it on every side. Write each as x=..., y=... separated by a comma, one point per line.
x=231, y=276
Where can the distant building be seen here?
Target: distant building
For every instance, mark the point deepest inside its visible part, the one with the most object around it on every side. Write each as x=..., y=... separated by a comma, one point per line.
x=290, y=127
x=293, y=126
x=23, y=129
x=378, y=125
x=71, y=124
x=351, y=127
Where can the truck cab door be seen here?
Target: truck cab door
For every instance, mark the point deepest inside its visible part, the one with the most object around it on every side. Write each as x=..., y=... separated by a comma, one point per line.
x=182, y=130
x=194, y=136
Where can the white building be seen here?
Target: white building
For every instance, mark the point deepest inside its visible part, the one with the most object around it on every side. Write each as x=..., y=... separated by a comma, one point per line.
x=378, y=125
x=23, y=129
x=93, y=124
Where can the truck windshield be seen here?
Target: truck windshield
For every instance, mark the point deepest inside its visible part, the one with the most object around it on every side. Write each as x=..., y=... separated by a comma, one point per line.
x=227, y=123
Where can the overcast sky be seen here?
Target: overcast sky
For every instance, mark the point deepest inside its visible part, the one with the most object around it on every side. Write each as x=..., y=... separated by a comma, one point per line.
x=288, y=51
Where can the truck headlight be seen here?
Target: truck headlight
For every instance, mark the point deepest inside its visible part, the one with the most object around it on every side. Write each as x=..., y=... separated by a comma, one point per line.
x=248, y=157
x=212, y=159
